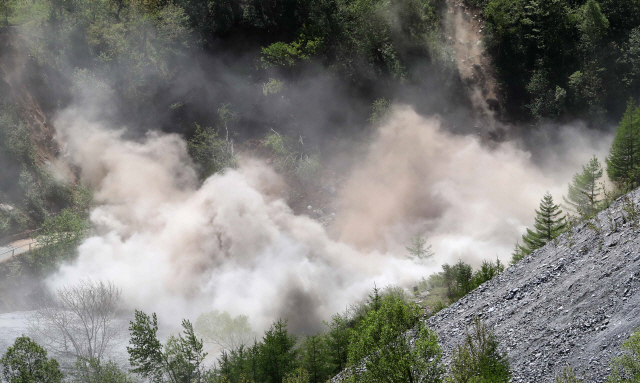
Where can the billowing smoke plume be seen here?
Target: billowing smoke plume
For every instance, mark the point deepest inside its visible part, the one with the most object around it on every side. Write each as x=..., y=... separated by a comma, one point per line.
x=180, y=248
x=230, y=244
x=472, y=202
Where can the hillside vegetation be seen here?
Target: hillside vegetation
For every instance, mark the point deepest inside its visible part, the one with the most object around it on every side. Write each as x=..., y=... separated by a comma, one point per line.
x=294, y=82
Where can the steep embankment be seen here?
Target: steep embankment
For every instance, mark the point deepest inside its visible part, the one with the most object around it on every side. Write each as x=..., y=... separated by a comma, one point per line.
x=572, y=302
x=25, y=81
x=464, y=27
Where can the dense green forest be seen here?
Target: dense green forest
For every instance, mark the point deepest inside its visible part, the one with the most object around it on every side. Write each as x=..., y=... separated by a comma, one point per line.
x=564, y=58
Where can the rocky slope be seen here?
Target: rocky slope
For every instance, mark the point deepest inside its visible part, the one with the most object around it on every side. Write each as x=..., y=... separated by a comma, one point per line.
x=573, y=302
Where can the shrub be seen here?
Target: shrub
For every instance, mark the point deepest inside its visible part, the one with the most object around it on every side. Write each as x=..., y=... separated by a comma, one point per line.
x=477, y=359
x=567, y=376
x=626, y=368
x=381, y=343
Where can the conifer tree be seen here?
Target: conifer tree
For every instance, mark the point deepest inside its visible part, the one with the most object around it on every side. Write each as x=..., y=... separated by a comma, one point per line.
x=419, y=251
x=548, y=224
x=518, y=253
x=624, y=155
x=584, y=192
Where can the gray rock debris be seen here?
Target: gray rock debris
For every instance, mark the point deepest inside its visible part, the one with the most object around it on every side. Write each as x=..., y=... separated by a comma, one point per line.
x=573, y=302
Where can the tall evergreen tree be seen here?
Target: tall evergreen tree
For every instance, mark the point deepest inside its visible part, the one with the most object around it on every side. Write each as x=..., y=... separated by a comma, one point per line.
x=315, y=359
x=277, y=356
x=548, y=224
x=624, y=155
x=584, y=192
x=338, y=342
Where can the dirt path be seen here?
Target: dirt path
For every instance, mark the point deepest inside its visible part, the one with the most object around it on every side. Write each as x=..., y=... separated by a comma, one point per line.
x=15, y=248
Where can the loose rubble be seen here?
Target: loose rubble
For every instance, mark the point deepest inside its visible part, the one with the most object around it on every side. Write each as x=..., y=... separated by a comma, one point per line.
x=573, y=302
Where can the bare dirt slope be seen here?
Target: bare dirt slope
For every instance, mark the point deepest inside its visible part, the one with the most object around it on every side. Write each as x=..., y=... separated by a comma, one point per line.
x=572, y=302
x=464, y=27
x=20, y=76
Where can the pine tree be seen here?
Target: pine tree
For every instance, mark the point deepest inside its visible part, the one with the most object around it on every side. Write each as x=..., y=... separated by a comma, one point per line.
x=548, y=225
x=518, y=253
x=314, y=359
x=277, y=354
x=624, y=156
x=584, y=192
x=419, y=251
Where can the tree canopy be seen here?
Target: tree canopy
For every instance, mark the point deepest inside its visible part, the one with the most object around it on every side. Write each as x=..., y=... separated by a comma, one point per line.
x=624, y=156
x=27, y=362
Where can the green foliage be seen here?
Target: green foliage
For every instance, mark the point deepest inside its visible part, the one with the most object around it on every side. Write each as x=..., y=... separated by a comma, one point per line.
x=584, y=192
x=57, y=240
x=277, y=356
x=568, y=376
x=456, y=281
x=282, y=54
x=518, y=254
x=626, y=367
x=221, y=329
x=283, y=150
x=273, y=86
x=93, y=371
x=211, y=153
x=298, y=376
x=27, y=362
x=563, y=58
x=419, y=251
x=478, y=359
x=592, y=23
x=548, y=225
x=380, y=110
x=624, y=155
x=180, y=360
x=630, y=59
x=338, y=342
x=315, y=360
x=486, y=272
x=290, y=158
x=381, y=344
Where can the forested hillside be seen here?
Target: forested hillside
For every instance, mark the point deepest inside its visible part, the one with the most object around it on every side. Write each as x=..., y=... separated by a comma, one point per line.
x=292, y=191
x=564, y=59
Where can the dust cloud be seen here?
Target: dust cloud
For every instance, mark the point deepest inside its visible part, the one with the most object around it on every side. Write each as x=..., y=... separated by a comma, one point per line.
x=179, y=247
x=471, y=201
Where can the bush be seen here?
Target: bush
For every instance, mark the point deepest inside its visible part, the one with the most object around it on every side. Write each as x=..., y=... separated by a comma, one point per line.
x=626, y=368
x=477, y=359
x=567, y=376
x=211, y=153
x=381, y=343
x=93, y=371
x=291, y=159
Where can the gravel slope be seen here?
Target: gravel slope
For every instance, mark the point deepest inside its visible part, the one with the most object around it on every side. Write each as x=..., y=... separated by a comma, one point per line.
x=572, y=302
